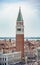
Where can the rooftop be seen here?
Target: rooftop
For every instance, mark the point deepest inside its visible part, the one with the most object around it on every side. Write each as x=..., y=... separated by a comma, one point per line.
x=19, y=18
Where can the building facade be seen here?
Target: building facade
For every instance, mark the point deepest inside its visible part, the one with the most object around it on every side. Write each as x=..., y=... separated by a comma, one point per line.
x=38, y=54
x=20, y=34
x=10, y=58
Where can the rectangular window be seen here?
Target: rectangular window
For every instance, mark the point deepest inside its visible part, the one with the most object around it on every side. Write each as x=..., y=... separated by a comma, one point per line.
x=19, y=29
x=5, y=63
x=5, y=59
x=0, y=63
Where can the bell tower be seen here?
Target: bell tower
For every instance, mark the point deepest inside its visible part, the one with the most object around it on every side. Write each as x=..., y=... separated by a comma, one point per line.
x=20, y=34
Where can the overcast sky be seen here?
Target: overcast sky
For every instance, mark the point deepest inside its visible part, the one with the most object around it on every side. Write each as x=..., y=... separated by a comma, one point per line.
x=31, y=15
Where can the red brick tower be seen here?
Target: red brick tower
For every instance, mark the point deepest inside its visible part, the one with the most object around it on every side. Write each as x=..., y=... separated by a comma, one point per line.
x=20, y=34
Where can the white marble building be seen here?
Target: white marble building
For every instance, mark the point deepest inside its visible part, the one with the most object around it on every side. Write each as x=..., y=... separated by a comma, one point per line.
x=37, y=52
x=10, y=58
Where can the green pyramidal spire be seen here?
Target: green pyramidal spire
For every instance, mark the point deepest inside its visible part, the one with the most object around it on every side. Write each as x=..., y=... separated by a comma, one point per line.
x=19, y=16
